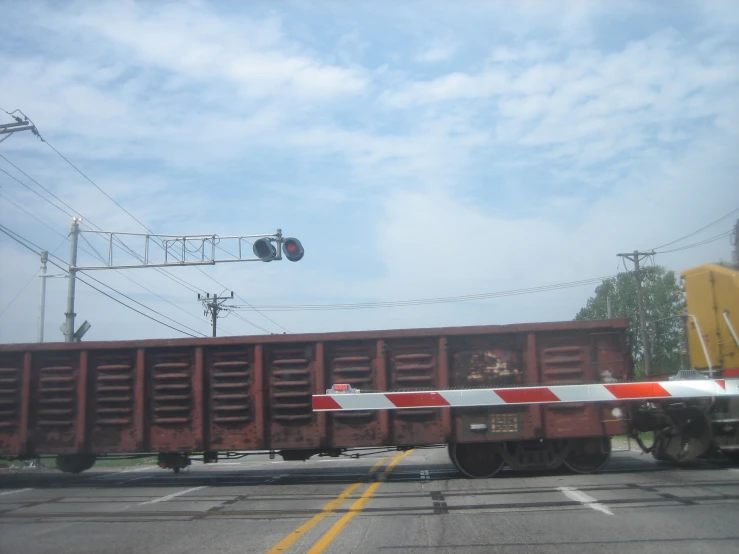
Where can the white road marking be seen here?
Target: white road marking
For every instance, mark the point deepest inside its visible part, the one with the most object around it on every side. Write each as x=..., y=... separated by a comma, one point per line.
x=425, y=475
x=6, y=493
x=586, y=500
x=274, y=479
x=171, y=496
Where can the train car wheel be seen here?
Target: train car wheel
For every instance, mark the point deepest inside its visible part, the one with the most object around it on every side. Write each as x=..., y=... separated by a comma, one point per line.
x=75, y=463
x=732, y=456
x=476, y=460
x=588, y=455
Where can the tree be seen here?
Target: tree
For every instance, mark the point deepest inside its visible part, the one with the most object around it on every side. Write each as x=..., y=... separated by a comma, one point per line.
x=662, y=301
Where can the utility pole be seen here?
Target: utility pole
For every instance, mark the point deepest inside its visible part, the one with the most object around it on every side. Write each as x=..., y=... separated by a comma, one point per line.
x=42, y=308
x=735, y=238
x=635, y=257
x=72, y=277
x=608, y=306
x=213, y=305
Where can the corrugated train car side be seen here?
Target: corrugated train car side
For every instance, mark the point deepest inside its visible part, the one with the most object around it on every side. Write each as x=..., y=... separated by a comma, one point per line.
x=239, y=394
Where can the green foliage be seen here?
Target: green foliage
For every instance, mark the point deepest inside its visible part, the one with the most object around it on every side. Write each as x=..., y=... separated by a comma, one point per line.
x=661, y=301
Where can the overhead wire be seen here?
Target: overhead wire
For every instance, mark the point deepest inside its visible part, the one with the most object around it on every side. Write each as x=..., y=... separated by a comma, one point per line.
x=87, y=222
x=694, y=245
x=239, y=316
x=102, y=259
x=91, y=223
x=162, y=271
x=37, y=193
x=24, y=287
x=697, y=231
x=178, y=280
x=20, y=240
x=427, y=301
x=152, y=232
x=144, y=305
x=35, y=274
x=21, y=208
x=108, y=196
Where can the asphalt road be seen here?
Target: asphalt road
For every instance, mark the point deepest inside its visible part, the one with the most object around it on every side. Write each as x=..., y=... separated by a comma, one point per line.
x=407, y=502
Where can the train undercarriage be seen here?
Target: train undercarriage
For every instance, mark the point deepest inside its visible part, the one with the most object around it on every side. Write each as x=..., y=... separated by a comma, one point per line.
x=678, y=433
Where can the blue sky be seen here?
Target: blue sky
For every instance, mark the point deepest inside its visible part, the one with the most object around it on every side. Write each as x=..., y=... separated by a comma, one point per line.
x=417, y=149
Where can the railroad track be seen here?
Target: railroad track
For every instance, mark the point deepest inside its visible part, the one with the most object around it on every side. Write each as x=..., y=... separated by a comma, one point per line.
x=276, y=500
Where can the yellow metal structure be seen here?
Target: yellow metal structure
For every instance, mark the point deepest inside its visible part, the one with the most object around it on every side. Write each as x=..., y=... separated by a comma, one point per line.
x=712, y=297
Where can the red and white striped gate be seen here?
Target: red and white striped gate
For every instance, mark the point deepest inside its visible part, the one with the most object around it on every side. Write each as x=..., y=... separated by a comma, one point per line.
x=345, y=398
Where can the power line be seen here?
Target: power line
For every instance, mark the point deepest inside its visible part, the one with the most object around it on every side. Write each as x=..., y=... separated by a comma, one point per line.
x=161, y=270
x=36, y=182
x=19, y=292
x=108, y=196
x=698, y=231
x=36, y=192
x=101, y=257
x=9, y=231
x=250, y=306
x=21, y=208
x=132, y=308
x=427, y=301
x=701, y=243
x=181, y=282
x=143, y=305
x=239, y=316
x=13, y=235
x=178, y=280
x=152, y=232
x=98, y=254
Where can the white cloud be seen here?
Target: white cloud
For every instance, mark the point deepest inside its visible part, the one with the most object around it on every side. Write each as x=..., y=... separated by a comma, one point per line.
x=440, y=51
x=193, y=42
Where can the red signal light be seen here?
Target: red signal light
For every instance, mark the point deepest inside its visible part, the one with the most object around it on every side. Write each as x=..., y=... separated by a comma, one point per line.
x=293, y=249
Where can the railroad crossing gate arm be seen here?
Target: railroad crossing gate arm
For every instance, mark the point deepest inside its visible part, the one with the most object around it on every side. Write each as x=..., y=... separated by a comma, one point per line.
x=345, y=398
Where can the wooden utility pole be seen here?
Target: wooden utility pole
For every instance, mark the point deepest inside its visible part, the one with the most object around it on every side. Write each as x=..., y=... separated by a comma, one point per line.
x=635, y=257
x=213, y=305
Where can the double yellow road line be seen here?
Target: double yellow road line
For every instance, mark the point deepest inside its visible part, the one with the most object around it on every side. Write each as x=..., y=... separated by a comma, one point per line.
x=358, y=505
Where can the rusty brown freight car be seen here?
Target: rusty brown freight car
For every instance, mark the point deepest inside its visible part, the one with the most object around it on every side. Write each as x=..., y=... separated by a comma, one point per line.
x=239, y=394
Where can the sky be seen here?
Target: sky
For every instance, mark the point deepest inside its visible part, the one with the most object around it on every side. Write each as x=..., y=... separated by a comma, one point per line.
x=417, y=149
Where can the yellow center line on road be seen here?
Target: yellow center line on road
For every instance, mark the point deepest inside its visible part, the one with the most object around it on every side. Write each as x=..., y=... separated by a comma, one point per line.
x=328, y=509
x=323, y=543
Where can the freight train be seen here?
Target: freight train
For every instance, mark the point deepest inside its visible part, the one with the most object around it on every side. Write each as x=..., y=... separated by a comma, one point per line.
x=530, y=396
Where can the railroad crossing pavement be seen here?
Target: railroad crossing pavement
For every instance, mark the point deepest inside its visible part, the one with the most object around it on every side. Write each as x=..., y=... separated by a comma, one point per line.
x=388, y=503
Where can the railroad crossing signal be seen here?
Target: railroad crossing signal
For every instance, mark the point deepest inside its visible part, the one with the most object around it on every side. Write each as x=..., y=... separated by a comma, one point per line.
x=293, y=249
x=265, y=250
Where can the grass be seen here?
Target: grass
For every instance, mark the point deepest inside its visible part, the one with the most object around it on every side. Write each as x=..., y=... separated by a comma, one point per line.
x=646, y=438
x=101, y=462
